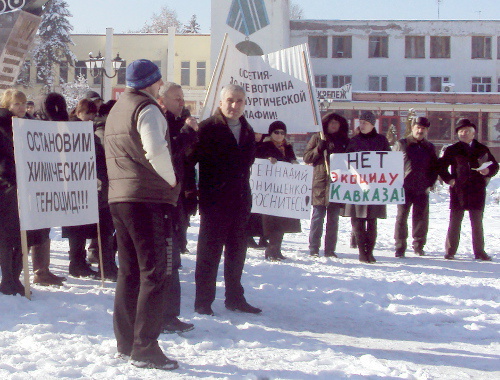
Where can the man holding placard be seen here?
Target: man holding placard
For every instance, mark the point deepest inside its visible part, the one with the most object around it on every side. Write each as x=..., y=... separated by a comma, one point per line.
x=472, y=165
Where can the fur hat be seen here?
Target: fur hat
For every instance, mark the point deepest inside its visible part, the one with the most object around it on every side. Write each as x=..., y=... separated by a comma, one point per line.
x=142, y=73
x=369, y=117
x=462, y=123
x=277, y=125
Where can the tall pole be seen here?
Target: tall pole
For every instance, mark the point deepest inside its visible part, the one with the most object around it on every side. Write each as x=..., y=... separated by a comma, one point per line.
x=107, y=66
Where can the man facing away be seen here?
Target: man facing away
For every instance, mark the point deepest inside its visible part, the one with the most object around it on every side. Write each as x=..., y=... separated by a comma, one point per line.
x=225, y=152
x=142, y=190
x=182, y=130
x=421, y=171
x=472, y=165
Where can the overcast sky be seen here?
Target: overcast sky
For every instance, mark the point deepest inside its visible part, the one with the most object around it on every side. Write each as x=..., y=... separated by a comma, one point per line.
x=94, y=16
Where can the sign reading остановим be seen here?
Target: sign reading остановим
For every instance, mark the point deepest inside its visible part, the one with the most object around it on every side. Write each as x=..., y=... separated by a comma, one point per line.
x=368, y=178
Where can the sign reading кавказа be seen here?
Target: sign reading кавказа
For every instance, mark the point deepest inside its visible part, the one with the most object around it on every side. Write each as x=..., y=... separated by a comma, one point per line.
x=368, y=178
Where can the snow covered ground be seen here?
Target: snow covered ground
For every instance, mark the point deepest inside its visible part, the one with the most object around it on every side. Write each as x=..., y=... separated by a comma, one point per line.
x=413, y=318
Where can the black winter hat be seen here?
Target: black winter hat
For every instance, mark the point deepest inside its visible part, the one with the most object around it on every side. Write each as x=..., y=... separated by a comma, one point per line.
x=462, y=123
x=369, y=117
x=277, y=125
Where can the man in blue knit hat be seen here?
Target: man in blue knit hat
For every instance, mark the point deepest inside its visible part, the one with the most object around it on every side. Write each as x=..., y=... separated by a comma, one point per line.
x=142, y=192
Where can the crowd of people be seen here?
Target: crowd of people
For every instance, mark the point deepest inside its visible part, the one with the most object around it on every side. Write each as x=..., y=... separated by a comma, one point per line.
x=147, y=145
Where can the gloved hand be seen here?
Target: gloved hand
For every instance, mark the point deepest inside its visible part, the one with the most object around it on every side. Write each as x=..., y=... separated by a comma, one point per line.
x=321, y=145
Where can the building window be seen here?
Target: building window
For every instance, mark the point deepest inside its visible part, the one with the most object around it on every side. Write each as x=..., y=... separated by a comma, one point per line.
x=481, y=84
x=80, y=69
x=377, y=83
x=63, y=72
x=440, y=47
x=342, y=47
x=318, y=46
x=378, y=47
x=185, y=73
x=498, y=47
x=481, y=47
x=320, y=81
x=201, y=69
x=498, y=88
x=98, y=78
x=437, y=83
x=415, y=83
x=121, y=75
x=340, y=80
x=414, y=47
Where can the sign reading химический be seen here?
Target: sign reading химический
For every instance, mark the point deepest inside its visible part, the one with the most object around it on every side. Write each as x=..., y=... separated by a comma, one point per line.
x=369, y=178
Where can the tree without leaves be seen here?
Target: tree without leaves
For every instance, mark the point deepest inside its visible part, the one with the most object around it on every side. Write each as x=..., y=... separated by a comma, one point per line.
x=53, y=42
x=192, y=26
x=161, y=22
x=296, y=12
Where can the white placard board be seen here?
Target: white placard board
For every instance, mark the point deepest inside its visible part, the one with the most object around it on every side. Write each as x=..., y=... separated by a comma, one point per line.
x=56, y=173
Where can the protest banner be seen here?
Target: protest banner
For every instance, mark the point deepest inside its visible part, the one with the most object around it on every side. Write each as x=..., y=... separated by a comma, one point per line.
x=281, y=189
x=278, y=86
x=56, y=173
x=367, y=178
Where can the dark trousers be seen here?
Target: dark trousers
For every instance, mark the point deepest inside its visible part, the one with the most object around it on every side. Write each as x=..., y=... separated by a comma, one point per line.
x=11, y=256
x=145, y=268
x=453, y=236
x=420, y=221
x=219, y=229
x=365, y=231
x=332, y=226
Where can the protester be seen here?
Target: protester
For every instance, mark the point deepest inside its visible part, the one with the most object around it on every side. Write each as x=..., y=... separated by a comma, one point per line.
x=95, y=98
x=225, y=152
x=276, y=149
x=317, y=153
x=421, y=171
x=30, y=109
x=142, y=192
x=11, y=261
x=78, y=266
x=182, y=129
x=472, y=165
x=364, y=217
x=99, y=125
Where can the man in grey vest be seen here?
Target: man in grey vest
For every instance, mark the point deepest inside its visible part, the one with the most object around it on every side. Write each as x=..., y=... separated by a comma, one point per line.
x=142, y=191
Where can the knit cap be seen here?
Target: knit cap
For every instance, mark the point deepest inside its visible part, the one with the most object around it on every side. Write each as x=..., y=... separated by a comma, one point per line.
x=142, y=73
x=369, y=117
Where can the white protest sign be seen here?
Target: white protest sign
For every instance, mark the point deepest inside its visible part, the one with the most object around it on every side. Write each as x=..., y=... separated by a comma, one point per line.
x=281, y=189
x=367, y=178
x=278, y=86
x=56, y=173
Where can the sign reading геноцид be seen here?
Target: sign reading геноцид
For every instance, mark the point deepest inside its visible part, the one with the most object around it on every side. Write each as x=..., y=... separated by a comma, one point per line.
x=55, y=172
x=367, y=178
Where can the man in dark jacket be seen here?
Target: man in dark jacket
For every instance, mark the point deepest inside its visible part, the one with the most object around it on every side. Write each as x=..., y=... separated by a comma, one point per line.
x=225, y=152
x=182, y=129
x=421, y=171
x=472, y=165
x=142, y=190
x=317, y=153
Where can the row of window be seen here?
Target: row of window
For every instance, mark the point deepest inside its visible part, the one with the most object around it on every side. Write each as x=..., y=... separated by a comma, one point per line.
x=378, y=47
x=412, y=83
x=81, y=69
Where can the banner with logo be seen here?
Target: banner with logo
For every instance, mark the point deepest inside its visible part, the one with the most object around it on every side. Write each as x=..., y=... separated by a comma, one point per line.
x=56, y=173
x=367, y=178
x=278, y=86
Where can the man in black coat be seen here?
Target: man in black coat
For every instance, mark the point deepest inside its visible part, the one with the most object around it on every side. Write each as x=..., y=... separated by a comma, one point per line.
x=421, y=171
x=182, y=130
x=472, y=165
x=225, y=152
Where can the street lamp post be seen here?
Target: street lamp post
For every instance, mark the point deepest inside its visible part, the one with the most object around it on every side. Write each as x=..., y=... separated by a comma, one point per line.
x=95, y=65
